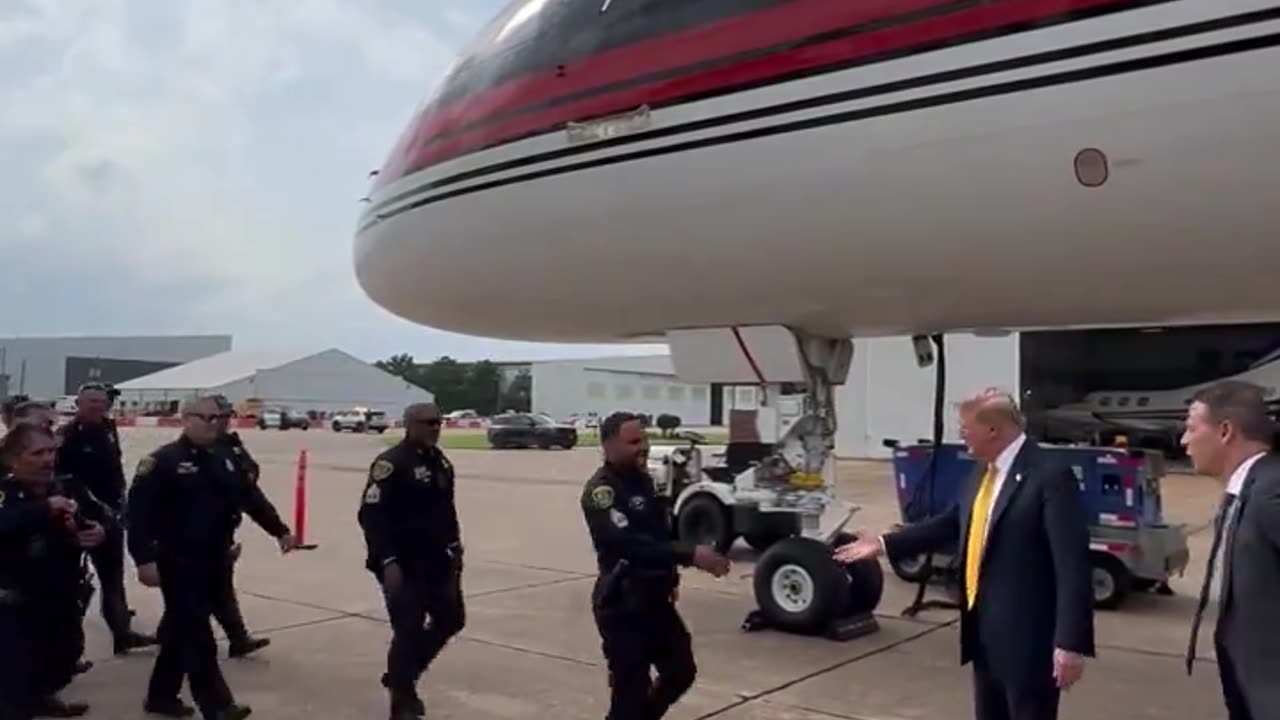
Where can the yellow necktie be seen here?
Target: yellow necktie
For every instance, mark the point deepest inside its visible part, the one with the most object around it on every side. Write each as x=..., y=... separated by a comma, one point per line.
x=977, y=533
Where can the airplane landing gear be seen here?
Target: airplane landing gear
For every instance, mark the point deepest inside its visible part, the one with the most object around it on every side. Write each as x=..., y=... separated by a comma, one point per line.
x=799, y=587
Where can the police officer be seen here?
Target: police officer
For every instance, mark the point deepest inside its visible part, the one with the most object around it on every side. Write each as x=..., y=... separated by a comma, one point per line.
x=90, y=452
x=414, y=546
x=7, y=407
x=183, y=506
x=226, y=609
x=45, y=527
x=32, y=411
x=633, y=600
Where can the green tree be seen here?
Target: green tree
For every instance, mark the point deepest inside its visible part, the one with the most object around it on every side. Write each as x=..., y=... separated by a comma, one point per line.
x=446, y=378
x=483, y=386
x=401, y=366
x=518, y=396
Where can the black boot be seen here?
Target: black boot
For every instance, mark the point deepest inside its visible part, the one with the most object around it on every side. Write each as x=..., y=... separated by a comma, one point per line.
x=240, y=648
x=53, y=707
x=234, y=712
x=172, y=707
x=132, y=641
x=406, y=705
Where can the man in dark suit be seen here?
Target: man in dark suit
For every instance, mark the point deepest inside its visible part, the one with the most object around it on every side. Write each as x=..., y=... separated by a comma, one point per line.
x=1228, y=435
x=1027, y=618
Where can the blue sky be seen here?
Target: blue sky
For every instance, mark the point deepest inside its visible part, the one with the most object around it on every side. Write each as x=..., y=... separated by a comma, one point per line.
x=193, y=166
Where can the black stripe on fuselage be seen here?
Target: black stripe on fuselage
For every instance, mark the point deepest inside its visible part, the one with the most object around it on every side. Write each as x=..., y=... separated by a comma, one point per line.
x=563, y=32
x=972, y=71
x=948, y=98
x=714, y=63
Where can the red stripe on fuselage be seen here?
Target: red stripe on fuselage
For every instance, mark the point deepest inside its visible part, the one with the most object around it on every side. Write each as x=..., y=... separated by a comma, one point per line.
x=469, y=125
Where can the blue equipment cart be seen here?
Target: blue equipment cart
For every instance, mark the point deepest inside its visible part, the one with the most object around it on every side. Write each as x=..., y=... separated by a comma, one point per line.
x=1132, y=546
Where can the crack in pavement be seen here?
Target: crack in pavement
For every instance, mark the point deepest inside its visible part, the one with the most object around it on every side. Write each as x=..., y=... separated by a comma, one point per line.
x=1164, y=654
x=562, y=571
x=530, y=586
x=822, y=713
x=753, y=697
x=112, y=659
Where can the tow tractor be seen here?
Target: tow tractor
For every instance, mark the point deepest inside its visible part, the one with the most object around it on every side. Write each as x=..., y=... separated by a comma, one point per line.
x=774, y=492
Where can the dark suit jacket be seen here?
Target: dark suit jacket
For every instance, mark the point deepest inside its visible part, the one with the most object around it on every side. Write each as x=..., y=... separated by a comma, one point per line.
x=1035, y=585
x=1250, y=601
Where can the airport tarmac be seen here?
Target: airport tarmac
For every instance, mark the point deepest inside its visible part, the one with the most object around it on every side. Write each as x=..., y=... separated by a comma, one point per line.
x=530, y=649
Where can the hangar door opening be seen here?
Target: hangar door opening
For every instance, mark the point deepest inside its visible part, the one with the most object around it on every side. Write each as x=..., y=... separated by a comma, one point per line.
x=1099, y=385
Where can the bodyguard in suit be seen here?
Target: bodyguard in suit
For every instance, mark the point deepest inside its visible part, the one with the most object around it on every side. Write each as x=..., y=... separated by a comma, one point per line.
x=1027, y=619
x=1228, y=435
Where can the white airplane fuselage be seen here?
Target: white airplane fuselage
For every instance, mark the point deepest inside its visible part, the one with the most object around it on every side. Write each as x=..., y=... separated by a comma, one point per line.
x=928, y=190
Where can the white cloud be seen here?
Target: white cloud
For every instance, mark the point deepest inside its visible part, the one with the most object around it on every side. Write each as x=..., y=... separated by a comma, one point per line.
x=217, y=145
x=158, y=128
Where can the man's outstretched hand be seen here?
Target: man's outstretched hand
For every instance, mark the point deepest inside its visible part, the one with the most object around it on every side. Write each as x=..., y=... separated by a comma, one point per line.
x=706, y=558
x=866, y=546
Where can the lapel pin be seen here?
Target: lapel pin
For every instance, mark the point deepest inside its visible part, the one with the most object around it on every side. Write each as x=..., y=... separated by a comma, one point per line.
x=1017, y=477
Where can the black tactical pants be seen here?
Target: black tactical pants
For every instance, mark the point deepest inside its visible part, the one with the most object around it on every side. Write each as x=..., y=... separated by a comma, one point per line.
x=108, y=565
x=226, y=607
x=639, y=639
x=415, y=645
x=39, y=646
x=187, y=646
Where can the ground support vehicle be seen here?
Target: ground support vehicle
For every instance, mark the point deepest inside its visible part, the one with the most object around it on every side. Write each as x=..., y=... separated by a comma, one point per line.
x=774, y=493
x=1131, y=546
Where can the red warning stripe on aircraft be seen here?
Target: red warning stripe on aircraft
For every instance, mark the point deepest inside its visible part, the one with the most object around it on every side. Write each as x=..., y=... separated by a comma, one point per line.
x=750, y=49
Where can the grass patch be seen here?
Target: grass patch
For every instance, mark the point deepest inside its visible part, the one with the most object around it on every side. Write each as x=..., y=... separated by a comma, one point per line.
x=459, y=439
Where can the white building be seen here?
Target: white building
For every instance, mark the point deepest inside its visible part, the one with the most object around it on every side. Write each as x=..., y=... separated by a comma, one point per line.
x=888, y=396
x=328, y=381
x=48, y=367
x=639, y=383
x=885, y=396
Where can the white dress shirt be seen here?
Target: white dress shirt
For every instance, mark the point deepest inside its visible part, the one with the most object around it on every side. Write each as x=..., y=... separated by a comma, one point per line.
x=1003, y=463
x=1235, y=484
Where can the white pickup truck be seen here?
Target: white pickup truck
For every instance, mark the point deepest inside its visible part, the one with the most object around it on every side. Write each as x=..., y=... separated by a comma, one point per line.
x=360, y=421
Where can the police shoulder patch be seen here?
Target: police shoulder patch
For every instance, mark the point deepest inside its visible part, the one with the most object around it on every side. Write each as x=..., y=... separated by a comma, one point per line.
x=382, y=470
x=602, y=496
x=146, y=465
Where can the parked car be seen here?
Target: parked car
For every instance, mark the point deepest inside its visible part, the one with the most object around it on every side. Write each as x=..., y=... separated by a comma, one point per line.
x=360, y=421
x=283, y=419
x=272, y=418
x=522, y=430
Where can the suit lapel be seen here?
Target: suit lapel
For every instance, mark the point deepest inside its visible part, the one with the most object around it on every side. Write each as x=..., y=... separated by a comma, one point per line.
x=1012, y=482
x=1232, y=521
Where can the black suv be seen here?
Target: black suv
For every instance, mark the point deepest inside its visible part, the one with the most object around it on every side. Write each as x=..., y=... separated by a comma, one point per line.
x=523, y=430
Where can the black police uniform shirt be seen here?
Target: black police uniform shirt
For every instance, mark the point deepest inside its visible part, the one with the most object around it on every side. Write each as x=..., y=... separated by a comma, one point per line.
x=92, y=454
x=40, y=560
x=184, y=502
x=628, y=521
x=407, y=512
x=240, y=454
x=248, y=470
